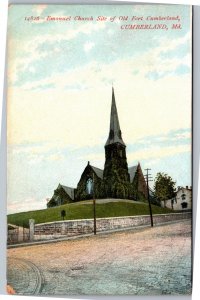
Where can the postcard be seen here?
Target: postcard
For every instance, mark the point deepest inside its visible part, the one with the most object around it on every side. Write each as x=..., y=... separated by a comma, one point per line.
x=99, y=148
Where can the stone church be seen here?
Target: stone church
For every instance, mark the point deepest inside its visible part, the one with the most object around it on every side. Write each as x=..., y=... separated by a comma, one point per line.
x=115, y=181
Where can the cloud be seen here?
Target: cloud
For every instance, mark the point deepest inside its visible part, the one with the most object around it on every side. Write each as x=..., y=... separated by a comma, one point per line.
x=183, y=135
x=30, y=50
x=57, y=119
x=96, y=159
x=56, y=157
x=173, y=136
x=26, y=205
x=158, y=66
x=88, y=46
x=167, y=47
x=158, y=152
x=36, y=154
x=148, y=65
x=39, y=9
x=29, y=149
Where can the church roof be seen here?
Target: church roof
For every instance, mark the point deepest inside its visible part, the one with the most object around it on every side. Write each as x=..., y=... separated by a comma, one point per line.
x=98, y=172
x=132, y=171
x=68, y=190
x=115, y=131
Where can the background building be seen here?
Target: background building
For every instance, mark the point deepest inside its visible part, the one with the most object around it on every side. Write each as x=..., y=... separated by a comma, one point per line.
x=182, y=201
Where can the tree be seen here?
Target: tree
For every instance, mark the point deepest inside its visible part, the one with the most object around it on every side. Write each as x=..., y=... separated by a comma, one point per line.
x=164, y=187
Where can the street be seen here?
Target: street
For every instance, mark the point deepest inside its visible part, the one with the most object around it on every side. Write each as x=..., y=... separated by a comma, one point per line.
x=149, y=261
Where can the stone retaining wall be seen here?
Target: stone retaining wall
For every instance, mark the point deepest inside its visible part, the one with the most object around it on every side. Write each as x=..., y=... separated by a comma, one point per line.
x=86, y=226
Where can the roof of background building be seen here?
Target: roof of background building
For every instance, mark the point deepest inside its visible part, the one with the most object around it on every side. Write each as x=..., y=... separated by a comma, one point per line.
x=68, y=190
x=180, y=188
x=98, y=172
x=132, y=171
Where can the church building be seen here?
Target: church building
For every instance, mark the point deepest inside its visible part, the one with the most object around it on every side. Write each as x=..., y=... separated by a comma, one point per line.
x=115, y=181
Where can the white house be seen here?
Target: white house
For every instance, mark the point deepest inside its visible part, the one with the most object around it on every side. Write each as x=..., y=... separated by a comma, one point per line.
x=182, y=201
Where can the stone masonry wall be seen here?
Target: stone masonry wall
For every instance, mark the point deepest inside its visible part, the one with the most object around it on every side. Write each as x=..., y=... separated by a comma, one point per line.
x=86, y=226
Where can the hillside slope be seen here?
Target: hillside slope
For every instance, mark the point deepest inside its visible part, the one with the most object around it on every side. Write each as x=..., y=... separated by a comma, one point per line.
x=84, y=210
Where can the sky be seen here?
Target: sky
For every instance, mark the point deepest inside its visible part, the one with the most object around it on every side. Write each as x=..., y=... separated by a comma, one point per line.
x=60, y=76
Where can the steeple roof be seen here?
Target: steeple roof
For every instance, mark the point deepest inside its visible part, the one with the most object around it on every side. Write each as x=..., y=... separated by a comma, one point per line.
x=115, y=135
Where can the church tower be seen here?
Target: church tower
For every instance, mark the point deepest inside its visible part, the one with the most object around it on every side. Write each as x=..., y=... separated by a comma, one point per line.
x=115, y=181
x=116, y=176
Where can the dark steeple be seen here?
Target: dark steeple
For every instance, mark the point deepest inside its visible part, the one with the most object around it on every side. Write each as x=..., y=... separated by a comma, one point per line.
x=115, y=135
x=116, y=177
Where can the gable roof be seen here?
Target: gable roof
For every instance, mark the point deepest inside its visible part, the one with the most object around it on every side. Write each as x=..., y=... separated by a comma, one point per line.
x=132, y=171
x=98, y=172
x=184, y=189
x=68, y=190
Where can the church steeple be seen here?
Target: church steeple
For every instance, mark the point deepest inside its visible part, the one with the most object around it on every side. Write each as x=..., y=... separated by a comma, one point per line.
x=115, y=135
x=116, y=177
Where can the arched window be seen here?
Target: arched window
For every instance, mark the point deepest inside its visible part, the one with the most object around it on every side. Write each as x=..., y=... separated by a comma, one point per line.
x=183, y=196
x=89, y=186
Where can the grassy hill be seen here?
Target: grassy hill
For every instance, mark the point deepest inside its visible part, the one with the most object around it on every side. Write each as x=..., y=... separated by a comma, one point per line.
x=84, y=210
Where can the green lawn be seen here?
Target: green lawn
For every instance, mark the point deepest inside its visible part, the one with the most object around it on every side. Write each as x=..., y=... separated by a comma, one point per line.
x=82, y=210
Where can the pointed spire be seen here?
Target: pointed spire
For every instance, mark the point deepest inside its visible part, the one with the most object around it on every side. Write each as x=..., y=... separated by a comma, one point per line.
x=115, y=135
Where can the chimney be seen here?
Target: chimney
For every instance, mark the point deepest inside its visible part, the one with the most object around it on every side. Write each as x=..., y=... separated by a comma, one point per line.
x=187, y=187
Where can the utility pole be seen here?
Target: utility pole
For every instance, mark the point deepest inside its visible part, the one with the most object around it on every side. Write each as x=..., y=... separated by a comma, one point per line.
x=148, y=178
x=94, y=209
